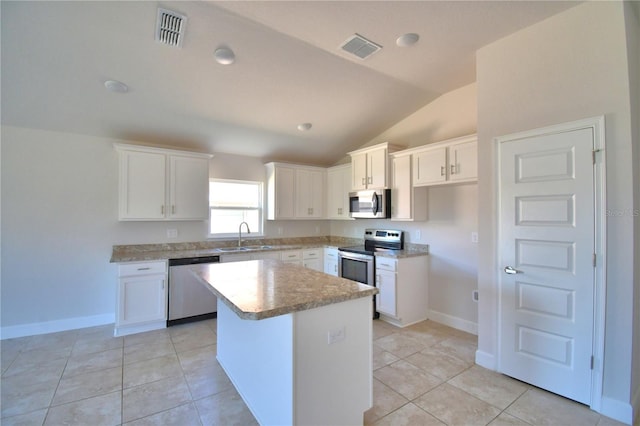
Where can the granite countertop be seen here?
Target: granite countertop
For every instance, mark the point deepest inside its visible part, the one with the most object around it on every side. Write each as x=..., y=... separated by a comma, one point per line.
x=150, y=252
x=259, y=289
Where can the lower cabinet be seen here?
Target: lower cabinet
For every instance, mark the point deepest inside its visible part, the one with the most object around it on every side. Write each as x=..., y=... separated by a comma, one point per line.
x=403, y=286
x=331, y=261
x=312, y=259
x=142, y=297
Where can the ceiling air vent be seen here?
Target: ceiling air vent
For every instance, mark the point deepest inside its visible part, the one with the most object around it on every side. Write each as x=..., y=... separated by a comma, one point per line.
x=360, y=46
x=170, y=27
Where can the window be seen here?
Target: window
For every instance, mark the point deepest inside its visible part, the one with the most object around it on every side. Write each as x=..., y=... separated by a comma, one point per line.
x=232, y=202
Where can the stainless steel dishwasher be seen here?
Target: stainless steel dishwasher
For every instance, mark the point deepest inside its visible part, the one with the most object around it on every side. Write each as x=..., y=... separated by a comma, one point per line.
x=189, y=299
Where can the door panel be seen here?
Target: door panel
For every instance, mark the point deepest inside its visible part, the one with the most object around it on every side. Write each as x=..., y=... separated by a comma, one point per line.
x=547, y=239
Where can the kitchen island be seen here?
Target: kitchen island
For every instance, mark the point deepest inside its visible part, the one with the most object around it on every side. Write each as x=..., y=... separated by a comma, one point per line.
x=296, y=343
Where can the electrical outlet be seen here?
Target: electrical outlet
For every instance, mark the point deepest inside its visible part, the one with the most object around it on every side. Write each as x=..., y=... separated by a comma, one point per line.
x=418, y=235
x=474, y=237
x=335, y=336
x=172, y=233
x=279, y=230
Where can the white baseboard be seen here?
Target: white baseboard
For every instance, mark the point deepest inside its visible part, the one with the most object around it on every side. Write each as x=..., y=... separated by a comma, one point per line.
x=139, y=328
x=617, y=410
x=455, y=322
x=22, y=330
x=486, y=360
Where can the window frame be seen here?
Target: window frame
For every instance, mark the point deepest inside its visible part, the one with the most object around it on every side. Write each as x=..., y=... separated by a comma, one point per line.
x=259, y=209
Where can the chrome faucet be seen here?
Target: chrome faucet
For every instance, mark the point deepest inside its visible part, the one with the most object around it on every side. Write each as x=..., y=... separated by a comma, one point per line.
x=240, y=233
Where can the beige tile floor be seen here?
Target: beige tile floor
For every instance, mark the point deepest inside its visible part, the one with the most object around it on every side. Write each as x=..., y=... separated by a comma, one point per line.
x=423, y=375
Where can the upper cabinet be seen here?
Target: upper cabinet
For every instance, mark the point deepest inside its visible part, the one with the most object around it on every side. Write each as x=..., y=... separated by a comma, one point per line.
x=162, y=184
x=310, y=193
x=370, y=166
x=295, y=192
x=407, y=203
x=338, y=187
x=452, y=161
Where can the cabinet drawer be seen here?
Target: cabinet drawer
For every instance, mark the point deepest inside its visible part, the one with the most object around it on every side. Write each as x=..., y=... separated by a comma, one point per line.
x=312, y=254
x=292, y=255
x=142, y=268
x=386, y=264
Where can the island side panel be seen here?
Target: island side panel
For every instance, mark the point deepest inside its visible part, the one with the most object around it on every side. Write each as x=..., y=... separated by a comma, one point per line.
x=258, y=358
x=333, y=381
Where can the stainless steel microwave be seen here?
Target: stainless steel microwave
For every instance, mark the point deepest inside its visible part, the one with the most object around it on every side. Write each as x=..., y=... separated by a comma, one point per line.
x=370, y=204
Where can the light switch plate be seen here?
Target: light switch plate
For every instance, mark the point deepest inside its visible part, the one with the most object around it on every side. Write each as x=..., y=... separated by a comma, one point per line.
x=172, y=233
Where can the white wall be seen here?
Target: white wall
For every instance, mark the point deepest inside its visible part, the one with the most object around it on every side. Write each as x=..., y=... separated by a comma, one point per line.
x=60, y=221
x=452, y=210
x=568, y=67
x=632, y=16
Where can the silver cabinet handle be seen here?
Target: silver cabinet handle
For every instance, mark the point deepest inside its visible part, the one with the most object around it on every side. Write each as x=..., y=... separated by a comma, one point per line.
x=162, y=210
x=453, y=169
x=510, y=270
x=363, y=181
x=143, y=269
x=173, y=209
x=442, y=170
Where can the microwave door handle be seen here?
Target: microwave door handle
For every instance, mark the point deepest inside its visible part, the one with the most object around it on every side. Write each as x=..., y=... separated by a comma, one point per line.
x=374, y=202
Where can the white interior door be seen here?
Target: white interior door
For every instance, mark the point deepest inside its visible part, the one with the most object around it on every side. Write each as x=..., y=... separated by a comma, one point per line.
x=547, y=246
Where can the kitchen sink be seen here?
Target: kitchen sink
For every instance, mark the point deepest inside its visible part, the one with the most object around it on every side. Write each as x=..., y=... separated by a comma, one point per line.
x=232, y=249
x=245, y=248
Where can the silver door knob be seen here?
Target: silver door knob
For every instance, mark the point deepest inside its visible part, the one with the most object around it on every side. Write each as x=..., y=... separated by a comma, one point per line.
x=511, y=270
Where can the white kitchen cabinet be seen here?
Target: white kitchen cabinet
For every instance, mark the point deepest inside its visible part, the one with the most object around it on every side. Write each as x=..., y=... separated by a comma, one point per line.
x=280, y=192
x=142, y=297
x=331, y=261
x=386, y=283
x=312, y=259
x=403, y=286
x=310, y=193
x=292, y=256
x=463, y=161
x=161, y=184
x=338, y=188
x=407, y=203
x=370, y=166
x=451, y=161
x=294, y=192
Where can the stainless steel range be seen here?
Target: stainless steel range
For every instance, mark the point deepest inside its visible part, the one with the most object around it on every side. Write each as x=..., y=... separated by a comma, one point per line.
x=357, y=263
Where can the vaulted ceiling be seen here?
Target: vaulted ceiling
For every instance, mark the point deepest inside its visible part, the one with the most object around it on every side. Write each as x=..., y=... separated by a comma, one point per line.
x=289, y=69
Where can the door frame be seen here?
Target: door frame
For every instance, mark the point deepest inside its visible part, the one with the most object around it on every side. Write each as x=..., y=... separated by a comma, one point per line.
x=597, y=126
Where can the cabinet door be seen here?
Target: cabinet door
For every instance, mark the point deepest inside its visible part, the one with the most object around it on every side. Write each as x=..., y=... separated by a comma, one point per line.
x=402, y=188
x=142, y=186
x=284, y=193
x=315, y=264
x=188, y=188
x=386, y=299
x=142, y=299
x=463, y=161
x=309, y=194
x=377, y=171
x=359, y=171
x=430, y=167
x=338, y=187
x=331, y=261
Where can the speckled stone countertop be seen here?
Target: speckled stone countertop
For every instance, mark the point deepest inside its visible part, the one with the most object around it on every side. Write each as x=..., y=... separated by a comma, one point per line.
x=149, y=252
x=259, y=289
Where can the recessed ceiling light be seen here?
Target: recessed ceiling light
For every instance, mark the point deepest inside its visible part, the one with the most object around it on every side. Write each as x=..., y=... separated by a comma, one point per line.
x=408, y=39
x=304, y=127
x=116, y=86
x=224, y=56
